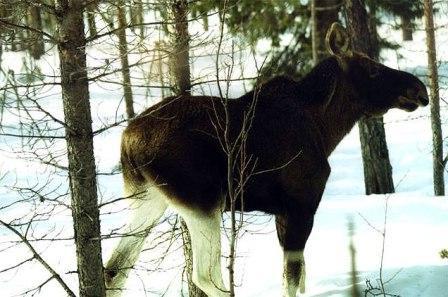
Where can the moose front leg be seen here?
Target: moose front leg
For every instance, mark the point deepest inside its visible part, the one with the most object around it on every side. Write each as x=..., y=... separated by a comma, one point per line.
x=302, y=195
x=293, y=232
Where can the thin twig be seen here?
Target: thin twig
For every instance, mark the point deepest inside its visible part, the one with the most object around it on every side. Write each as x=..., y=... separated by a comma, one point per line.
x=39, y=258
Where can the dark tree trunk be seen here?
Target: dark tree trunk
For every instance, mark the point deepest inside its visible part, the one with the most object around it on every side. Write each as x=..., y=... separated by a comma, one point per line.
x=375, y=155
x=123, y=48
x=180, y=58
x=406, y=28
x=136, y=12
x=180, y=68
x=140, y=17
x=91, y=8
x=323, y=14
x=36, y=40
x=438, y=164
x=79, y=137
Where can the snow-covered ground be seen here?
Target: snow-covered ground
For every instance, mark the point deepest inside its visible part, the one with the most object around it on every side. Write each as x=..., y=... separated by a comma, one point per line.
x=416, y=226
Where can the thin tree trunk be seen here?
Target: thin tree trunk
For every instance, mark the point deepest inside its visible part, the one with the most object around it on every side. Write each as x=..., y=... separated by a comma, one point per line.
x=323, y=14
x=123, y=48
x=375, y=155
x=79, y=137
x=136, y=15
x=91, y=19
x=406, y=28
x=141, y=17
x=36, y=40
x=159, y=62
x=193, y=290
x=437, y=155
x=180, y=68
x=181, y=58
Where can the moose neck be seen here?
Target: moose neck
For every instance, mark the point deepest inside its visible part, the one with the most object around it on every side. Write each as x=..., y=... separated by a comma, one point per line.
x=338, y=118
x=327, y=94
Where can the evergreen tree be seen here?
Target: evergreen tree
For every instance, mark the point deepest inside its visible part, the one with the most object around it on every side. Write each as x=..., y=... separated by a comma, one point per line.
x=407, y=10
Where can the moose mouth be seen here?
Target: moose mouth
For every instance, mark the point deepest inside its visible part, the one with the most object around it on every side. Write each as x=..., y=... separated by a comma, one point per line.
x=408, y=104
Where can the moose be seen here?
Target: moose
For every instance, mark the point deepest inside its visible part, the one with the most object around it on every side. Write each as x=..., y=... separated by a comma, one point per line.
x=171, y=156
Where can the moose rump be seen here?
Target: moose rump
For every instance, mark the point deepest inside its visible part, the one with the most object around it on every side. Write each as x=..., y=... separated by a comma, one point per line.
x=170, y=145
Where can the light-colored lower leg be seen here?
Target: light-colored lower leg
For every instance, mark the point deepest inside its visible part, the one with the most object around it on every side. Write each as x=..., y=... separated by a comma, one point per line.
x=294, y=273
x=148, y=206
x=205, y=236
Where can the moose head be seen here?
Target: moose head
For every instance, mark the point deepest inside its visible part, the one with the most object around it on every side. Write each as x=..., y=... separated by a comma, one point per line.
x=376, y=87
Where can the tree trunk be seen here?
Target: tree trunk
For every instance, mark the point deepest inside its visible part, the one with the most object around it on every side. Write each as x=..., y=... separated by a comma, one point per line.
x=180, y=69
x=136, y=12
x=136, y=17
x=123, y=48
x=140, y=13
x=180, y=58
x=323, y=14
x=193, y=290
x=91, y=19
x=406, y=28
x=375, y=155
x=437, y=155
x=79, y=137
x=36, y=40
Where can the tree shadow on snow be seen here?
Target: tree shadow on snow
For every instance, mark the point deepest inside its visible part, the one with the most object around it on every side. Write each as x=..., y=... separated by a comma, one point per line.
x=405, y=282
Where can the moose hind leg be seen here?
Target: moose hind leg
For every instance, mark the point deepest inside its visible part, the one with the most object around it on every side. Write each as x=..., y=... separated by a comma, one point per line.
x=205, y=236
x=148, y=206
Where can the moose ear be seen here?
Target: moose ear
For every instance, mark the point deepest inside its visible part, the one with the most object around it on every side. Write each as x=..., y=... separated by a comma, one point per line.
x=338, y=41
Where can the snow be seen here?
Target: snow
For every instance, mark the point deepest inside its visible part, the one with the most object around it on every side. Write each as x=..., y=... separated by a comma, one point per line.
x=416, y=226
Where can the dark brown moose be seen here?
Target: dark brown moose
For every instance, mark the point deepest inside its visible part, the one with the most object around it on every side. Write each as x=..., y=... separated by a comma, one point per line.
x=171, y=156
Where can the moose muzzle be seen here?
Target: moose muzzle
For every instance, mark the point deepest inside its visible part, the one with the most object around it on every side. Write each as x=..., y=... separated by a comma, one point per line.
x=414, y=98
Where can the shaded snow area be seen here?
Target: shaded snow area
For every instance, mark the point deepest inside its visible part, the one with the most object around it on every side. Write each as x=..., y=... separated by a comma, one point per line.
x=415, y=222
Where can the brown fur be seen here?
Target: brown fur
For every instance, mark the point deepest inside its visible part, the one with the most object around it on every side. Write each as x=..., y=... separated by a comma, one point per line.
x=175, y=142
x=176, y=146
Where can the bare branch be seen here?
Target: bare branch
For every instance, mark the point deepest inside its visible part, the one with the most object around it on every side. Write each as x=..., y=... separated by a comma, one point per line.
x=39, y=258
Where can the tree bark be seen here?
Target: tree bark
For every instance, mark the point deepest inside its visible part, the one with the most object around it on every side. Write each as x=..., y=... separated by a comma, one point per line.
x=79, y=138
x=140, y=13
x=406, y=28
x=36, y=40
x=123, y=48
x=437, y=155
x=375, y=154
x=193, y=290
x=180, y=62
x=136, y=12
x=323, y=14
x=91, y=19
x=180, y=68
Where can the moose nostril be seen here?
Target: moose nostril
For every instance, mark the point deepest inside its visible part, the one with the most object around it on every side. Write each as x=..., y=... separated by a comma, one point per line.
x=423, y=99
